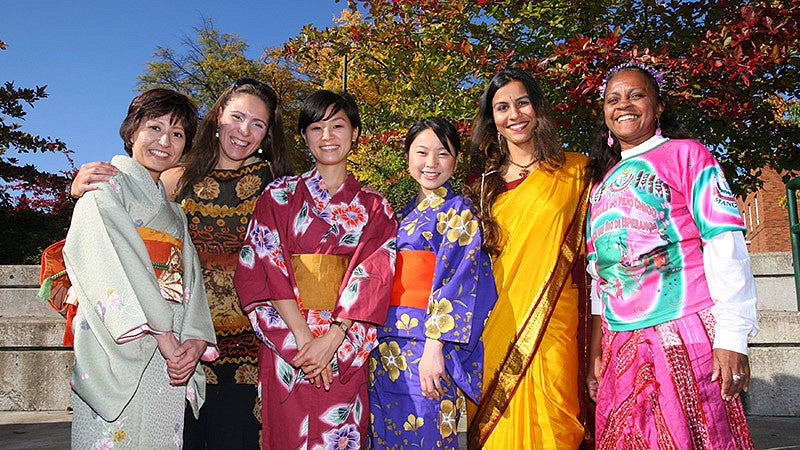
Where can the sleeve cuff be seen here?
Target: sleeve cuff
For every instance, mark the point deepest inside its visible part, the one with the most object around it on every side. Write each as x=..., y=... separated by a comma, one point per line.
x=732, y=341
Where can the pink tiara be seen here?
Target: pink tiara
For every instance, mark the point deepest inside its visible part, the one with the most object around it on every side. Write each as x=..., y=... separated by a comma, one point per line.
x=658, y=76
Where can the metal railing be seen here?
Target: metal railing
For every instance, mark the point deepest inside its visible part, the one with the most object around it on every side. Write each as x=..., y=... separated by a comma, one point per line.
x=794, y=228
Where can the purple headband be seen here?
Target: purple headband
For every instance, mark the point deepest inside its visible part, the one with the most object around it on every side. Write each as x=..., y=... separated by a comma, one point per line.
x=658, y=76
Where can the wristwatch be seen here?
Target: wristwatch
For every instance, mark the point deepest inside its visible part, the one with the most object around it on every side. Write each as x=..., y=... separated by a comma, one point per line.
x=340, y=324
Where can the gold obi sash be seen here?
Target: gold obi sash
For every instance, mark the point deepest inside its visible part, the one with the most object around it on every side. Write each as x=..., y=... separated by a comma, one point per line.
x=319, y=278
x=413, y=278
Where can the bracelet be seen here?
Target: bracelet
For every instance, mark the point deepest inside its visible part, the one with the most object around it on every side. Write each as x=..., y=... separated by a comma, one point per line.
x=341, y=325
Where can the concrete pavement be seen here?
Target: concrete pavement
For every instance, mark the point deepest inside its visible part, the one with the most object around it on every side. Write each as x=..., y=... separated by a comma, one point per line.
x=51, y=430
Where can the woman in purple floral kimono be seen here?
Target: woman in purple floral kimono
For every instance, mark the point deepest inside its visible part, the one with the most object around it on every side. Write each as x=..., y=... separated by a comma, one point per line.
x=314, y=276
x=430, y=347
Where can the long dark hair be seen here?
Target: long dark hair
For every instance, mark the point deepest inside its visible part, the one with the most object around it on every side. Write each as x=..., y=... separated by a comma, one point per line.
x=489, y=158
x=603, y=157
x=207, y=145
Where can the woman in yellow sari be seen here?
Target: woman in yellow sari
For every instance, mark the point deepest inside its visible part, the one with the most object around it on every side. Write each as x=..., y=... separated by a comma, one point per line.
x=532, y=197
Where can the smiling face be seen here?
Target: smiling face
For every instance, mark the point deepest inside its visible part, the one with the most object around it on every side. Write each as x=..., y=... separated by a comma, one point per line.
x=513, y=113
x=330, y=139
x=631, y=107
x=158, y=144
x=430, y=163
x=242, y=126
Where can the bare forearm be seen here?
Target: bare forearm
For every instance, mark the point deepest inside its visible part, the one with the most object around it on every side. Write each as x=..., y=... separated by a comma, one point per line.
x=291, y=315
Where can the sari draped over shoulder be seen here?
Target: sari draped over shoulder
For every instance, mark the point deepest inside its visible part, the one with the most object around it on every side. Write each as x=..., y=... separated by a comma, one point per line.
x=530, y=373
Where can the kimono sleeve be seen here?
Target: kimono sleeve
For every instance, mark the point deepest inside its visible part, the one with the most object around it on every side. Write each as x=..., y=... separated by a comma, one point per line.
x=111, y=270
x=261, y=273
x=367, y=287
x=452, y=303
x=712, y=203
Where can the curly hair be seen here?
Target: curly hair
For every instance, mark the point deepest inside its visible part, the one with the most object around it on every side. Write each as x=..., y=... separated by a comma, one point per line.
x=273, y=147
x=489, y=157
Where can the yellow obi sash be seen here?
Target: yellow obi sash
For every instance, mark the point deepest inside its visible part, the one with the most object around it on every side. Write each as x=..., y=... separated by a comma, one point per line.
x=319, y=278
x=413, y=278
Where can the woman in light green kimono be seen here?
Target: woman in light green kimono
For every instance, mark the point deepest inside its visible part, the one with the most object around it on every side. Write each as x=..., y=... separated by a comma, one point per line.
x=143, y=321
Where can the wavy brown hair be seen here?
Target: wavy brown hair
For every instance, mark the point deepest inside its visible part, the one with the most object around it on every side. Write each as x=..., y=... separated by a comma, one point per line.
x=207, y=146
x=489, y=152
x=155, y=103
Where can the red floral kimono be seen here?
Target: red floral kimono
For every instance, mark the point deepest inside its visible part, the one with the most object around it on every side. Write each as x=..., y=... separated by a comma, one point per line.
x=296, y=216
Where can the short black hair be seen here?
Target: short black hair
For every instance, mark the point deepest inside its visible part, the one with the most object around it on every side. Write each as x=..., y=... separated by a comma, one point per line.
x=316, y=106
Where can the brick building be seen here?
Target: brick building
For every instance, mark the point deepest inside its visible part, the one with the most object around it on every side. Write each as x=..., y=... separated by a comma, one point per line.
x=766, y=220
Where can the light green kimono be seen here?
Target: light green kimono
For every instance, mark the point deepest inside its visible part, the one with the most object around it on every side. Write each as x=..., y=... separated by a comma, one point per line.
x=121, y=390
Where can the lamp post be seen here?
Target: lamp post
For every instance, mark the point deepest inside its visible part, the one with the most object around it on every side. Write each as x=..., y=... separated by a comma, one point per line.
x=794, y=228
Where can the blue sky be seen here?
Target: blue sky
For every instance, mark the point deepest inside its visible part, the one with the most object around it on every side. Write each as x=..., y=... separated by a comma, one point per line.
x=89, y=53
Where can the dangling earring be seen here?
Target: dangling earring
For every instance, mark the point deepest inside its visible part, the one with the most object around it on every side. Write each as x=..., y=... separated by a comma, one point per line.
x=217, y=134
x=499, y=142
x=658, y=127
x=610, y=139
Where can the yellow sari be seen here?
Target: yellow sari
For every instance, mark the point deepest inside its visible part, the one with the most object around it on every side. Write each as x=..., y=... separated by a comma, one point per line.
x=530, y=372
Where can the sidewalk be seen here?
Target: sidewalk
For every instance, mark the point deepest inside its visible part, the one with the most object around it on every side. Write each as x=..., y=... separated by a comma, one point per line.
x=51, y=429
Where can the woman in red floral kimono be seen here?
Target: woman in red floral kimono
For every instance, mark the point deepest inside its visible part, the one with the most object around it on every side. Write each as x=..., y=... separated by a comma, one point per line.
x=315, y=276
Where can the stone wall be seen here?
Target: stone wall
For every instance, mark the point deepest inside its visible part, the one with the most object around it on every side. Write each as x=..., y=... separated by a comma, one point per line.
x=34, y=366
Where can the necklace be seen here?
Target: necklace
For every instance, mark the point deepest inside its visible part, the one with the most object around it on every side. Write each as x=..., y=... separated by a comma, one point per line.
x=523, y=170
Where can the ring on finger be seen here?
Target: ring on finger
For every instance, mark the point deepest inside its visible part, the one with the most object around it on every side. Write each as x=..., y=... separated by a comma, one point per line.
x=737, y=377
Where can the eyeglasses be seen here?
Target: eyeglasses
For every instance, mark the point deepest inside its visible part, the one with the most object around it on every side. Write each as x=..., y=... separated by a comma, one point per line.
x=253, y=82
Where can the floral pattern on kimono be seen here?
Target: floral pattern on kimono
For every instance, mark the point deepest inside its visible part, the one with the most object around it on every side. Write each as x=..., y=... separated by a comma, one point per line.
x=296, y=215
x=461, y=298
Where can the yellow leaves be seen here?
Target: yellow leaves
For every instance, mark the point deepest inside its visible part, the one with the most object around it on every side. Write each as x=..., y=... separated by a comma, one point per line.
x=413, y=423
x=406, y=323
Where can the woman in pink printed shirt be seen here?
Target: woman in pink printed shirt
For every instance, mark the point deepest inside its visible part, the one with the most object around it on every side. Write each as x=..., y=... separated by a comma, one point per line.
x=671, y=278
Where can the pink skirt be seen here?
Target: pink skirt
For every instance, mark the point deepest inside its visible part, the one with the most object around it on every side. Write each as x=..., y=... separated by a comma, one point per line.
x=656, y=390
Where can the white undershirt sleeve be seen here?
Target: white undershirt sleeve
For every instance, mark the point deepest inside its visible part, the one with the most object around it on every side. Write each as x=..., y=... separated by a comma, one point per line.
x=733, y=289
x=594, y=294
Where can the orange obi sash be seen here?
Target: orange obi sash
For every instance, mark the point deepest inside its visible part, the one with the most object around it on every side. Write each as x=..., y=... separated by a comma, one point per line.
x=319, y=278
x=413, y=278
x=165, y=254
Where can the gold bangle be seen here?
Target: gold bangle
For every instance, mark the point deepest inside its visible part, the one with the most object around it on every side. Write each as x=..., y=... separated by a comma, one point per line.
x=341, y=325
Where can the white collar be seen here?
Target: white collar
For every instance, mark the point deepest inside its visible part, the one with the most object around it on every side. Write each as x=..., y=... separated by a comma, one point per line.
x=644, y=147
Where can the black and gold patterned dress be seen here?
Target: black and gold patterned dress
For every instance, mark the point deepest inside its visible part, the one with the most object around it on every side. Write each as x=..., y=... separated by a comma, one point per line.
x=218, y=211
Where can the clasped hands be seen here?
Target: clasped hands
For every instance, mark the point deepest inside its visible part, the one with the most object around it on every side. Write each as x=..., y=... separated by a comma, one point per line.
x=316, y=354
x=181, y=357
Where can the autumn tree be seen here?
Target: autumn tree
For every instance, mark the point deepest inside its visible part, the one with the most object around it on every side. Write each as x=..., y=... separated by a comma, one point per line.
x=211, y=61
x=34, y=211
x=732, y=68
